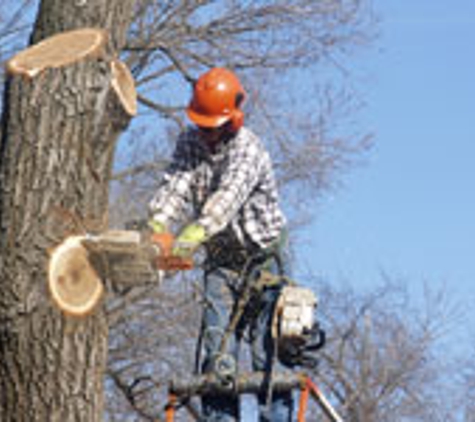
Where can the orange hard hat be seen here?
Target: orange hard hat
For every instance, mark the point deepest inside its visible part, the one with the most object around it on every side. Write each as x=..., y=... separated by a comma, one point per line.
x=217, y=96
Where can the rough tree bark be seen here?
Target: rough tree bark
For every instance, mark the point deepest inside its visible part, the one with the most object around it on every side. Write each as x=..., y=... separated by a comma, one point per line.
x=58, y=137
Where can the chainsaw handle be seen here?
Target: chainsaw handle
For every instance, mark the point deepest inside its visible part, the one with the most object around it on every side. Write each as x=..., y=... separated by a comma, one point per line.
x=164, y=241
x=166, y=260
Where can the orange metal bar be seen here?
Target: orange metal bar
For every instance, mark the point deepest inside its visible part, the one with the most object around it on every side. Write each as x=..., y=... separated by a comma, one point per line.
x=170, y=408
x=322, y=401
x=303, y=402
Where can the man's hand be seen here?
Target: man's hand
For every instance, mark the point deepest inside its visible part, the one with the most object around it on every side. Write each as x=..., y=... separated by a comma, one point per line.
x=191, y=237
x=157, y=227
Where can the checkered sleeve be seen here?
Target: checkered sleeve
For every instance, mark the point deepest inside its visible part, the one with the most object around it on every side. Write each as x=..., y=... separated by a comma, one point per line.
x=237, y=181
x=173, y=195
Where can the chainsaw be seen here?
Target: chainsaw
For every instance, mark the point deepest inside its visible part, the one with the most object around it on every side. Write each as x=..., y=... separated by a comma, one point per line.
x=83, y=267
x=166, y=260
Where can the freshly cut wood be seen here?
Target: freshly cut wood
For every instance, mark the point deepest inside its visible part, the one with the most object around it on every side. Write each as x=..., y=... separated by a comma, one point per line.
x=59, y=50
x=123, y=84
x=81, y=266
x=74, y=284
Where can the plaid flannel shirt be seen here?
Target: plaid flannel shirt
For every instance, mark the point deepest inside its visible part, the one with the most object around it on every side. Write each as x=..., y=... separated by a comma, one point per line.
x=231, y=190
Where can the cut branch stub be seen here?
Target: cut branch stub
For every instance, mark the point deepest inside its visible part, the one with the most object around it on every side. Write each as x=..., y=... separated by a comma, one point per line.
x=123, y=85
x=59, y=50
x=81, y=266
x=73, y=282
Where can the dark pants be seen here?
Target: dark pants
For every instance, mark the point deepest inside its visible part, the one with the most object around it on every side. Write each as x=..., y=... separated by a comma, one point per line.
x=222, y=294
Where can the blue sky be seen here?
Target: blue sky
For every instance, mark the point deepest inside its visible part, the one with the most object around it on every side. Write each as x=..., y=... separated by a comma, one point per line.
x=410, y=212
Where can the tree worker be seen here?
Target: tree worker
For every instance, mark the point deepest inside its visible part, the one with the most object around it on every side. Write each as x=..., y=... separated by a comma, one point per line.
x=221, y=184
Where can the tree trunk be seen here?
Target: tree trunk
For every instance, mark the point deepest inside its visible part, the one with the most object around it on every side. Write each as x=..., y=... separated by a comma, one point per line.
x=59, y=131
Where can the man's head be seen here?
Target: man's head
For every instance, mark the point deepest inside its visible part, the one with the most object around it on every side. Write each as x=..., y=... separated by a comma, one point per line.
x=216, y=101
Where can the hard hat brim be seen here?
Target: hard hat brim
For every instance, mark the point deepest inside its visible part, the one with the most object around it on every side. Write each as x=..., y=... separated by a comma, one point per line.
x=206, y=121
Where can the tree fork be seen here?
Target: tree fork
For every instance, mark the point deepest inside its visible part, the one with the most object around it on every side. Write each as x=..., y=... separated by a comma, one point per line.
x=59, y=131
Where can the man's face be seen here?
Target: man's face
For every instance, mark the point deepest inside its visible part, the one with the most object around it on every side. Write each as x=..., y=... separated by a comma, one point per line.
x=212, y=136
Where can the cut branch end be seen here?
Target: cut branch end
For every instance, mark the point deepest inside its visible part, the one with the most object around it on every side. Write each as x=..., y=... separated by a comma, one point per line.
x=59, y=50
x=73, y=283
x=123, y=85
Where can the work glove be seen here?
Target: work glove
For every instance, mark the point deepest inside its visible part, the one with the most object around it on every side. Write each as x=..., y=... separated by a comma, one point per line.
x=190, y=238
x=157, y=227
